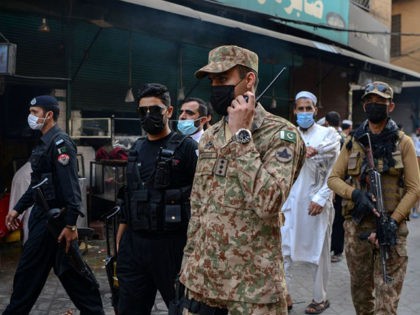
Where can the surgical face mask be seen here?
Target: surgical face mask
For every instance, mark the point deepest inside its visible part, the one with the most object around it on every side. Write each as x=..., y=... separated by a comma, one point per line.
x=187, y=126
x=305, y=119
x=376, y=112
x=33, y=122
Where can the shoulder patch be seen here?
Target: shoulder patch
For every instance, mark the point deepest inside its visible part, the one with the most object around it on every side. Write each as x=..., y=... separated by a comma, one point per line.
x=284, y=154
x=288, y=136
x=59, y=141
x=63, y=159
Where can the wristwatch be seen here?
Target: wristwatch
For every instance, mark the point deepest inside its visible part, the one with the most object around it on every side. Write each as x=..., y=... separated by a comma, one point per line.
x=72, y=227
x=243, y=136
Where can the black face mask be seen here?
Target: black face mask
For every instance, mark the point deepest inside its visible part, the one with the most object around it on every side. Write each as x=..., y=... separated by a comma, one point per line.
x=376, y=112
x=152, y=124
x=221, y=97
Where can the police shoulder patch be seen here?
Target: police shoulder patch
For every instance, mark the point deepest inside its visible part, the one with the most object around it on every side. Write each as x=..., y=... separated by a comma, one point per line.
x=63, y=159
x=288, y=136
x=284, y=154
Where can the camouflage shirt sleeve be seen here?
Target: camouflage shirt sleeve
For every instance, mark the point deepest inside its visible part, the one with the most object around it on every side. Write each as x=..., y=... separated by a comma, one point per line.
x=266, y=176
x=411, y=180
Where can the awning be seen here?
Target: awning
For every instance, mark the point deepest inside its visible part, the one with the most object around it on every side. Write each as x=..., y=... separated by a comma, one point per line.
x=369, y=64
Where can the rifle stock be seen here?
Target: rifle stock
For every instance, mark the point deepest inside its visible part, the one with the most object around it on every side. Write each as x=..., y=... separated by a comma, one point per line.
x=55, y=225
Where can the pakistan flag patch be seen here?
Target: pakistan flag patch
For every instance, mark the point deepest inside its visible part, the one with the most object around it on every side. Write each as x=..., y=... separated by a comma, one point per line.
x=288, y=136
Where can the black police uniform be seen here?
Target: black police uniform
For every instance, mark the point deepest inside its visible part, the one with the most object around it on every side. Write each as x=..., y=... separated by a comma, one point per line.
x=159, y=177
x=53, y=158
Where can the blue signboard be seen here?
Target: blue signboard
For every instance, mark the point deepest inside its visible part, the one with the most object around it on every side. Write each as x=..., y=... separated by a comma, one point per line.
x=333, y=13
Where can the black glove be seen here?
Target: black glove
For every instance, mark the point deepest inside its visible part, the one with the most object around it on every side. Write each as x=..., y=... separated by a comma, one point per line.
x=363, y=204
x=387, y=233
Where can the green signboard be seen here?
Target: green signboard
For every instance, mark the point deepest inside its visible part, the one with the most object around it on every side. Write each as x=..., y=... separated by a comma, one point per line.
x=333, y=13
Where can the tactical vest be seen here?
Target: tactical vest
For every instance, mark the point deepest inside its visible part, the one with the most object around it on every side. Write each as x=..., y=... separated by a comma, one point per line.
x=392, y=187
x=153, y=207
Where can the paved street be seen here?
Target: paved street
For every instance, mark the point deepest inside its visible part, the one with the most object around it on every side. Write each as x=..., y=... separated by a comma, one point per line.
x=54, y=300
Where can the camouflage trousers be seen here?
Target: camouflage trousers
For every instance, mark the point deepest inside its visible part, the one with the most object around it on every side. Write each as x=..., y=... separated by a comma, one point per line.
x=242, y=308
x=371, y=296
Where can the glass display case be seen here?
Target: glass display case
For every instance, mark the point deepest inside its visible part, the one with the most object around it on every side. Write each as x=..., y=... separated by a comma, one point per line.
x=107, y=177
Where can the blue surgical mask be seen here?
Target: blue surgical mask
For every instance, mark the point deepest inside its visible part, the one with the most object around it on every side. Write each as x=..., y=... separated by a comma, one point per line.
x=187, y=127
x=305, y=119
x=33, y=122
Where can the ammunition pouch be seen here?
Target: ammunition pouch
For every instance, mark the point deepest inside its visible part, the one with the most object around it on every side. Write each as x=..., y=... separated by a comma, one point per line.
x=156, y=211
x=162, y=178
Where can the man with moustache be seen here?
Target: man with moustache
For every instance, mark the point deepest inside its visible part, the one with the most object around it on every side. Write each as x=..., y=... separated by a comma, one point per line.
x=192, y=118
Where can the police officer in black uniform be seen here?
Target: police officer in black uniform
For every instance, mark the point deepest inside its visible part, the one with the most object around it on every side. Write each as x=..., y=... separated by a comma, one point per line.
x=54, y=163
x=153, y=228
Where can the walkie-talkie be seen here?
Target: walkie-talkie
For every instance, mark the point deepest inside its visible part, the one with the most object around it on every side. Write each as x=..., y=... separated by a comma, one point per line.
x=268, y=86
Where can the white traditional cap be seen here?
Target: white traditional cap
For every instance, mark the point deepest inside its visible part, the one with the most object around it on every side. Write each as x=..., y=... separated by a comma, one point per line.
x=321, y=121
x=347, y=122
x=306, y=94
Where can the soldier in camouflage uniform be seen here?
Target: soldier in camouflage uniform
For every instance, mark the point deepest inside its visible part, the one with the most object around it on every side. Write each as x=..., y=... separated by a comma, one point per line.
x=247, y=164
x=395, y=158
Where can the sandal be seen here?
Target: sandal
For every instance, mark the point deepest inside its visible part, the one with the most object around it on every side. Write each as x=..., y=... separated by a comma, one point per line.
x=336, y=258
x=317, y=308
x=289, y=302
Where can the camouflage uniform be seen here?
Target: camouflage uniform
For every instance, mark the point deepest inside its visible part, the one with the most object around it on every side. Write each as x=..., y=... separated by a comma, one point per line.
x=232, y=259
x=369, y=292
x=233, y=248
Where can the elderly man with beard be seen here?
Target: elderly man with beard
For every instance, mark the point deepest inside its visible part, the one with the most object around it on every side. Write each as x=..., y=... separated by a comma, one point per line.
x=309, y=209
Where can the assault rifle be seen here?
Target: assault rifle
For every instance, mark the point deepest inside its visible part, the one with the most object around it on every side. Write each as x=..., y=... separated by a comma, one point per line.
x=55, y=225
x=384, y=232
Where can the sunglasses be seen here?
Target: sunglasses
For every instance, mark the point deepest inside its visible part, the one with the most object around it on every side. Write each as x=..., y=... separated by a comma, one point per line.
x=378, y=87
x=151, y=110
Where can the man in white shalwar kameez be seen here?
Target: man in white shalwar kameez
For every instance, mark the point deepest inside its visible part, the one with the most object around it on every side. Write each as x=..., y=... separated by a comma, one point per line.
x=308, y=210
x=20, y=183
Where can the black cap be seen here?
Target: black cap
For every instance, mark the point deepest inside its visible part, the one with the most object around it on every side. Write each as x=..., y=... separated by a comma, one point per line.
x=47, y=102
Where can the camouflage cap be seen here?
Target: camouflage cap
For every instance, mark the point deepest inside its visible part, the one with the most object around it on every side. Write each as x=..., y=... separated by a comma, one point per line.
x=379, y=88
x=224, y=58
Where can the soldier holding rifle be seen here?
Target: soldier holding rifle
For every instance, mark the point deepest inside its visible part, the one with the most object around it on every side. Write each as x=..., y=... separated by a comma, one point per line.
x=386, y=165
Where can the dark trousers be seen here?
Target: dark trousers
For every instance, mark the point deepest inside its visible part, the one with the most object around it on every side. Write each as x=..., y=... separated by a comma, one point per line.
x=145, y=265
x=41, y=253
x=337, y=235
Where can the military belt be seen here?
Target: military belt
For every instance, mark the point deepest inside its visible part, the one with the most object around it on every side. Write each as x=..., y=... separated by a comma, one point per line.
x=197, y=307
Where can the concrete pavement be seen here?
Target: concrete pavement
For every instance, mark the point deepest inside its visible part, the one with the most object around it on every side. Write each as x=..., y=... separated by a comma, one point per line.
x=53, y=299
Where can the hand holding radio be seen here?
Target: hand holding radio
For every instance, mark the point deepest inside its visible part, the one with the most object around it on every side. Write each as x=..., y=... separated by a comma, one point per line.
x=241, y=112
